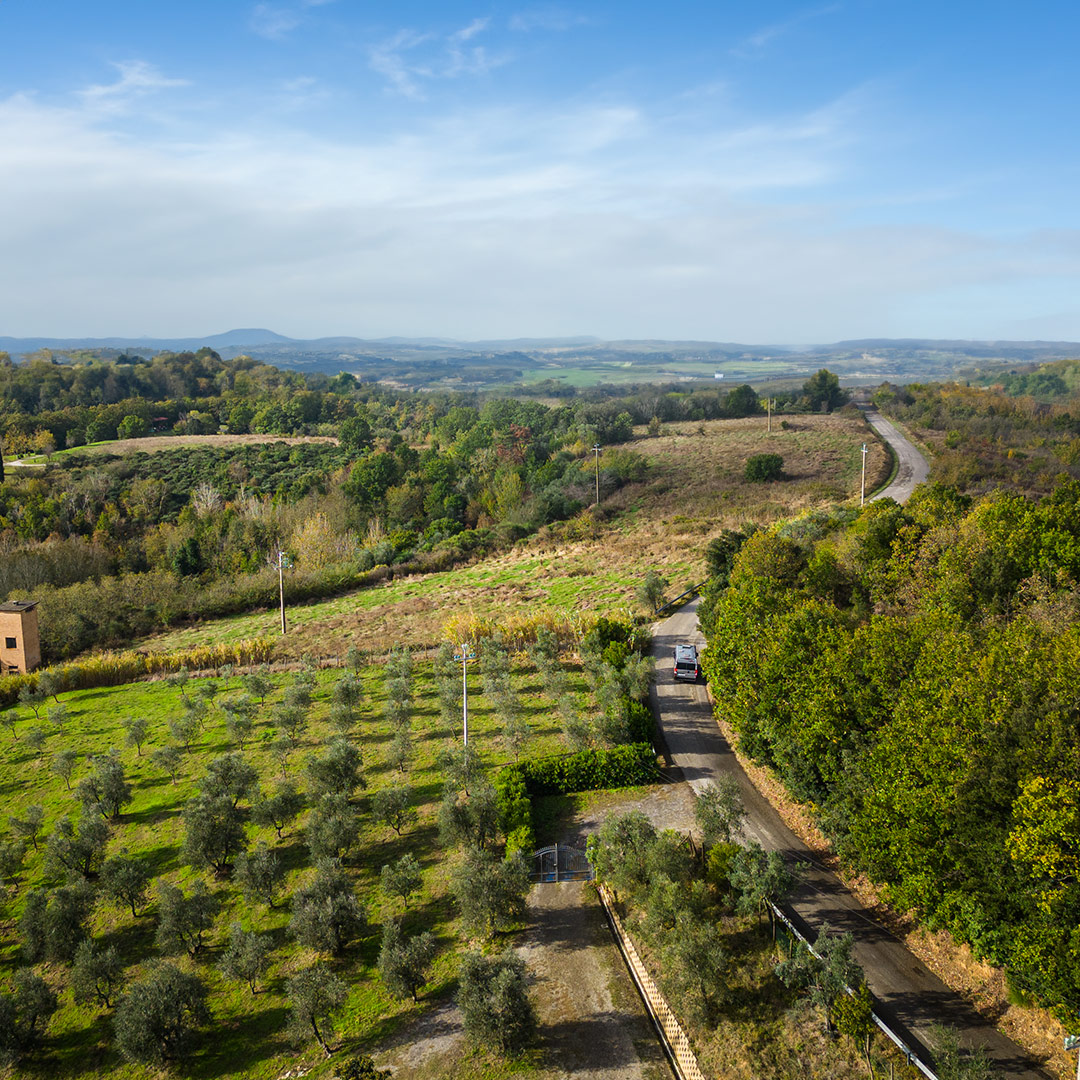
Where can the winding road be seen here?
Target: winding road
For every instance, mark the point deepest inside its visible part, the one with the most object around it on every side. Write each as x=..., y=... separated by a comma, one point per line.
x=910, y=998
x=912, y=467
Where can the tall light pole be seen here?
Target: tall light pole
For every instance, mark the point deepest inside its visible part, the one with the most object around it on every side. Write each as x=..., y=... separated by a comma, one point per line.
x=283, y=563
x=596, y=459
x=467, y=653
x=862, y=492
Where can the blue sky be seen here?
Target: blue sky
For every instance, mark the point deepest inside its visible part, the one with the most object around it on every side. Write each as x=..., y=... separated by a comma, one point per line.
x=759, y=172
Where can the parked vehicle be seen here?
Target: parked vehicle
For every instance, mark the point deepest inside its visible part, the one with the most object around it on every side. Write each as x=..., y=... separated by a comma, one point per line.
x=687, y=665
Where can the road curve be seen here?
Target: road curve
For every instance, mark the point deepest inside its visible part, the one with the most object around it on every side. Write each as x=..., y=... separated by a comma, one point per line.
x=910, y=998
x=913, y=469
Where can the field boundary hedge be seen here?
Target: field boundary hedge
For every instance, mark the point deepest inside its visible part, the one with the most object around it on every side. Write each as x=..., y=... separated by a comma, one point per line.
x=588, y=770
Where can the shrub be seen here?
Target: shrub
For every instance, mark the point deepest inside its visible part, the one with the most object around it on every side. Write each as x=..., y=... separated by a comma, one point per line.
x=763, y=468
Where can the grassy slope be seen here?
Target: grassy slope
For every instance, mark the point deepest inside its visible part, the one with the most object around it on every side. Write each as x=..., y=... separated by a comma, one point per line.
x=248, y=1040
x=694, y=489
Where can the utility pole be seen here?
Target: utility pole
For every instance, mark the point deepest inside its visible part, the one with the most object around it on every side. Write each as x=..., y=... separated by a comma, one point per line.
x=596, y=459
x=465, y=656
x=862, y=494
x=283, y=563
x=768, y=405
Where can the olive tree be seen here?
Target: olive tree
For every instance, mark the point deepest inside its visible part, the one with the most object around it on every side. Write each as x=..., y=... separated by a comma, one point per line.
x=314, y=994
x=494, y=1002
x=157, y=1018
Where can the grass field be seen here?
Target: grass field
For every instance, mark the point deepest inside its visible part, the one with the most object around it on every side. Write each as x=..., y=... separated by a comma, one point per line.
x=248, y=1040
x=694, y=488
x=152, y=443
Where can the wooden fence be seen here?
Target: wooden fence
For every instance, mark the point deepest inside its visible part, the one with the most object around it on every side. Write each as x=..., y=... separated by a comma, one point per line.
x=667, y=1025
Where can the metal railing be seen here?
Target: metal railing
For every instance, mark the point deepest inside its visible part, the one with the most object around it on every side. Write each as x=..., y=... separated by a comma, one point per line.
x=912, y=1057
x=688, y=595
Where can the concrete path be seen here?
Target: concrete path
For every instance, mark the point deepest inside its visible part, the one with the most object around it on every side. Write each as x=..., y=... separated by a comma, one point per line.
x=913, y=468
x=911, y=999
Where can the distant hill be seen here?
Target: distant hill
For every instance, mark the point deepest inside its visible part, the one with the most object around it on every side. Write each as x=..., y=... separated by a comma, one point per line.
x=554, y=366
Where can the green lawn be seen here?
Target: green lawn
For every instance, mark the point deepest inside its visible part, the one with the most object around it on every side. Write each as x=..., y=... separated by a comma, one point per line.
x=247, y=1039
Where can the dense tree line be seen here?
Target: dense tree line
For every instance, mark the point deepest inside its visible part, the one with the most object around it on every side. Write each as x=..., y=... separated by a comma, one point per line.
x=911, y=673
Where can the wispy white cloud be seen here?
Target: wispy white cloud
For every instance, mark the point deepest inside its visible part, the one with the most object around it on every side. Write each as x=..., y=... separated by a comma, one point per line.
x=546, y=18
x=767, y=34
x=409, y=60
x=137, y=78
x=276, y=21
x=273, y=21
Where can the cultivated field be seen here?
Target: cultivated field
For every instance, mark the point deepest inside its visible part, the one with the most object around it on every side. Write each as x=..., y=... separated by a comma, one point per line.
x=248, y=1040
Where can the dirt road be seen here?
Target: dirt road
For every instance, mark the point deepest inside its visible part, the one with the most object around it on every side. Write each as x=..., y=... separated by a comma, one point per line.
x=910, y=997
x=592, y=1023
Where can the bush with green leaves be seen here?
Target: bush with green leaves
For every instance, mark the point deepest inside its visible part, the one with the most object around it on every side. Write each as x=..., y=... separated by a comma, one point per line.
x=158, y=1017
x=763, y=468
x=494, y=1002
x=588, y=770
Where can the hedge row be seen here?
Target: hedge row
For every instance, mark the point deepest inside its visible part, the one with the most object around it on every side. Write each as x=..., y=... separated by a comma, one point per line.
x=588, y=770
x=117, y=668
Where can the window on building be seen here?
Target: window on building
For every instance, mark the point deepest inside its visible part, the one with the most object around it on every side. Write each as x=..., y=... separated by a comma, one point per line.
x=10, y=643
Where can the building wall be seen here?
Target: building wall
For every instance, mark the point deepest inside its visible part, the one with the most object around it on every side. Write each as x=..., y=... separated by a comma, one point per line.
x=20, y=645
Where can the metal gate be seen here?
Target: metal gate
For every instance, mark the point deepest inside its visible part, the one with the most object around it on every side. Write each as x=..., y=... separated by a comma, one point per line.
x=560, y=863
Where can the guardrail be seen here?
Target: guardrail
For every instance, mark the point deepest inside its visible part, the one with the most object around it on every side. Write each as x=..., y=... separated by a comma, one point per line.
x=912, y=1057
x=689, y=594
x=674, y=1039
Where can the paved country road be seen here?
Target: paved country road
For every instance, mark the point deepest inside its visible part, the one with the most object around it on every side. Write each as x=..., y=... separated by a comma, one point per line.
x=910, y=998
x=913, y=468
